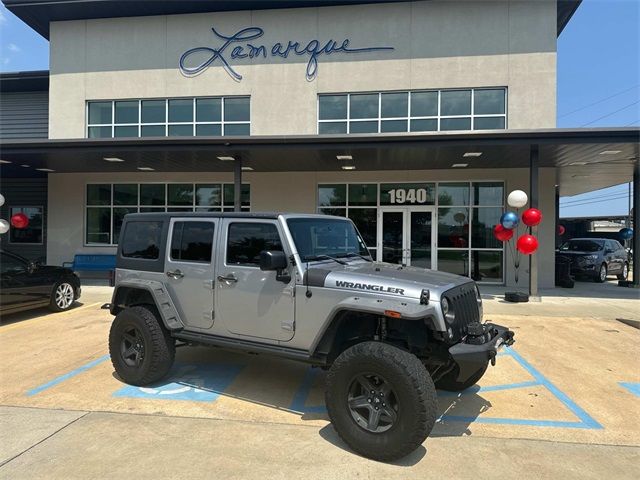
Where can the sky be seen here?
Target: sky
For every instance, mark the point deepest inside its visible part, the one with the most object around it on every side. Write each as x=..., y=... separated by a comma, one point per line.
x=598, y=79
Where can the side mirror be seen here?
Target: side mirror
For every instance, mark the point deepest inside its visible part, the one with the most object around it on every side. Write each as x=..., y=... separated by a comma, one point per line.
x=32, y=267
x=275, y=260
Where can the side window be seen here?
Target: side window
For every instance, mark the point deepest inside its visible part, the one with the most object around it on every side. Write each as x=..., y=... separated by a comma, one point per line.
x=192, y=241
x=11, y=265
x=245, y=241
x=610, y=246
x=142, y=240
x=617, y=245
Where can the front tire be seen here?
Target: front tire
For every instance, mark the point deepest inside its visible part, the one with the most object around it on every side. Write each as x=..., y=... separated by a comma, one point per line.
x=62, y=296
x=601, y=276
x=450, y=383
x=141, y=349
x=381, y=400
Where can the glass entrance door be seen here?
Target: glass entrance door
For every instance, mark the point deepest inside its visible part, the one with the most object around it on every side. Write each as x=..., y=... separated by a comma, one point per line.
x=406, y=235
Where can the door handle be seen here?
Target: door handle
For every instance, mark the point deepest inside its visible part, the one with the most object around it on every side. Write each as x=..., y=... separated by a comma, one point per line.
x=175, y=274
x=228, y=279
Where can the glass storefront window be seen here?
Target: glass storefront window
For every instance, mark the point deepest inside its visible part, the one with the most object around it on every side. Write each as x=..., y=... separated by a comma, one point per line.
x=100, y=113
x=488, y=193
x=332, y=128
x=366, y=220
x=126, y=112
x=125, y=194
x=330, y=195
x=488, y=123
x=208, y=110
x=454, y=261
x=394, y=104
x=32, y=233
x=210, y=195
x=99, y=225
x=424, y=104
x=363, y=127
x=332, y=107
x=489, y=101
x=154, y=111
x=484, y=219
x=363, y=105
x=180, y=194
x=453, y=194
x=363, y=194
x=236, y=109
x=455, y=102
x=453, y=227
x=181, y=110
x=99, y=194
x=487, y=266
x=152, y=194
x=228, y=195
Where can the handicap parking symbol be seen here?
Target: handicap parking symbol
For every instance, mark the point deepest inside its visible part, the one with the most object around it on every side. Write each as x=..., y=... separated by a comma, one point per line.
x=191, y=382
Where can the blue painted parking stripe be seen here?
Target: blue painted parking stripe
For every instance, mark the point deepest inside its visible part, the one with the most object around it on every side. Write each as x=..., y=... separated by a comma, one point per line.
x=67, y=376
x=517, y=421
x=632, y=387
x=300, y=397
x=489, y=388
x=584, y=417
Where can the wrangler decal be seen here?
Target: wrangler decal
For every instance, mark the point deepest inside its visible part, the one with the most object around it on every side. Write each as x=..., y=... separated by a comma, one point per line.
x=368, y=286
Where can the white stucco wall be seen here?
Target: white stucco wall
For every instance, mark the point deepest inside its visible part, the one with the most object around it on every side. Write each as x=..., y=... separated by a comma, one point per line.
x=438, y=44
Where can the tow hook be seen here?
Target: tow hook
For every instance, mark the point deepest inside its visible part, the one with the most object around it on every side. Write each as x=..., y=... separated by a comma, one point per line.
x=106, y=306
x=492, y=358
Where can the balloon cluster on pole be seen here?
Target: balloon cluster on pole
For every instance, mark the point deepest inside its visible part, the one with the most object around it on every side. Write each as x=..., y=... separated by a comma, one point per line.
x=18, y=220
x=626, y=233
x=526, y=244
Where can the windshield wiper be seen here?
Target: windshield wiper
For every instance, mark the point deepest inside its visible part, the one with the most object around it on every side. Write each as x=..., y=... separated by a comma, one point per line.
x=354, y=254
x=321, y=257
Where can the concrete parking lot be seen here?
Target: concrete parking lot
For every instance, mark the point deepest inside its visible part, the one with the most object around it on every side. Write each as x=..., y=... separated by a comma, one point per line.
x=562, y=403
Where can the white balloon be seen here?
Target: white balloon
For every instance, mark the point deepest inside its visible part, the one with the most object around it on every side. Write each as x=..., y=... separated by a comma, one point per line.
x=1, y=199
x=517, y=199
x=4, y=226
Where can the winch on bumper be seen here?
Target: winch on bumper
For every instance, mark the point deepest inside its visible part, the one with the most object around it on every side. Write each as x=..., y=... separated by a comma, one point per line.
x=480, y=346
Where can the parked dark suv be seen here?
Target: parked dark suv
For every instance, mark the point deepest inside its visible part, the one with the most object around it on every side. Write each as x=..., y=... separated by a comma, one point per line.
x=596, y=258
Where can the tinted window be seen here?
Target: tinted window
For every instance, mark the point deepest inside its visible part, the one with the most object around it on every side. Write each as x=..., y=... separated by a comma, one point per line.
x=11, y=264
x=192, y=241
x=246, y=240
x=142, y=240
x=583, y=246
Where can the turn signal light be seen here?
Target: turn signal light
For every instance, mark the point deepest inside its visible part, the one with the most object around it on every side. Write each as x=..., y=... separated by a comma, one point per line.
x=392, y=314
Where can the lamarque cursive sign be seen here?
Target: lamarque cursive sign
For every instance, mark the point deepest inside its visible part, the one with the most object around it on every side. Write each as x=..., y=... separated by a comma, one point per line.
x=238, y=46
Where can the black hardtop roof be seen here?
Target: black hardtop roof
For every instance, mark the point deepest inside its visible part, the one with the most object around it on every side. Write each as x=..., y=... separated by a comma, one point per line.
x=162, y=215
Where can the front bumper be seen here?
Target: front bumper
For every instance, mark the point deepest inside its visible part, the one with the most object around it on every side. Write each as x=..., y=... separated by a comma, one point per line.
x=471, y=358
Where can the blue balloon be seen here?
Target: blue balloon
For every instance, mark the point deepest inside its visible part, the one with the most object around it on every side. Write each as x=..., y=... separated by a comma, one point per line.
x=509, y=220
x=626, y=233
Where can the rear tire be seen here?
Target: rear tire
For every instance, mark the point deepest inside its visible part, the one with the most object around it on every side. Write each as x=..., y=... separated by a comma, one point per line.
x=625, y=272
x=450, y=383
x=141, y=349
x=601, y=276
x=381, y=400
x=63, y=296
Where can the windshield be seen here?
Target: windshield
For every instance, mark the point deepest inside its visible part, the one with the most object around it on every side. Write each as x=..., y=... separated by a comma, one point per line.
x=316, y=238
x=582, y=246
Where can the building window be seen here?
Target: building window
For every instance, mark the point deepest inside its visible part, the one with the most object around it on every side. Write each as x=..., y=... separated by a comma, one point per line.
x=173, y=117
x=466, y=214
x=33, y=232
x=414, y=111
x=108, y=203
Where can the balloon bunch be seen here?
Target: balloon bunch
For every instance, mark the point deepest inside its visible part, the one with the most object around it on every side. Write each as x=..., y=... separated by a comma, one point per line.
x=504, y=231
x=19, y=220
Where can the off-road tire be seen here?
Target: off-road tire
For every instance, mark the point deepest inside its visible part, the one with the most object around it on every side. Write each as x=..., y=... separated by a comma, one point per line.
x=450, y=383
x=159, y=347
x=598, y=277
x=625, y=272
x=413, y=389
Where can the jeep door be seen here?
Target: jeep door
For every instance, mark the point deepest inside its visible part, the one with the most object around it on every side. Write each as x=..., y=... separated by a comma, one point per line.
x=251, y=302
x=189, y=268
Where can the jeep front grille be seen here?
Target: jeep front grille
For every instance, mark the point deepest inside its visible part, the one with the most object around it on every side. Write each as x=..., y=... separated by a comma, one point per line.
x=465, y=305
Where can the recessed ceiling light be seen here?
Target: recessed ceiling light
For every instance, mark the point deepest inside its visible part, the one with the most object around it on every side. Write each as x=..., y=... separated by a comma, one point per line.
x=113, y=159
x=579, y=176
x=348, y=167
x=226, y=159
x=146, y=169
x=610, y=152
x=25, y=165
x=344, y=157
x=459, y=165
x=5, y=161
x=578, y=163
x=45, y=170
x=472, y=154
x=247, y=169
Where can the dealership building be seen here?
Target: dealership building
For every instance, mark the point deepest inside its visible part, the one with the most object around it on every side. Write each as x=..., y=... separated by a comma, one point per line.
x=414, y=119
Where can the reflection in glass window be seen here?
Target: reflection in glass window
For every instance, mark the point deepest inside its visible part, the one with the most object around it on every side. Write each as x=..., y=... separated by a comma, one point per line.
x=152, y=194
x=126, y=112
x=245, y=241
x=453, y=227
x=125, y=194
x=208, y=109
x=99, y=194
x=362, y=194
x=32, y=233
x=453, y=194
x=142, y=240
x=394, y=104
x=181, y=110
x=154, y=111
x=455, y=102
x=210, y=195
x=332, y=107
x=489, y=101
x=330, y=195
x=180, y=194
x=100, y=113
x=99, y=225
x=366, y=221
x=454, y=261
x=484, y=220
x=236, y=109
x=424, y=104
x=364, y=105
x=487, y=266
x=488, y=193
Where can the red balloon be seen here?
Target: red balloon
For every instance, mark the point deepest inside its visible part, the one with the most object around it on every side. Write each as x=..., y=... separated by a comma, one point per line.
x=561, y=230
x=502, y=233
x=531, y=217
x=527, y=244
x=20, y=220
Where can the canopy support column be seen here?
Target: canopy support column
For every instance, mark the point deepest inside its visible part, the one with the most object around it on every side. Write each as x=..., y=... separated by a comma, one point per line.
x=237, y=183
x=533, y=203
x=636, y=224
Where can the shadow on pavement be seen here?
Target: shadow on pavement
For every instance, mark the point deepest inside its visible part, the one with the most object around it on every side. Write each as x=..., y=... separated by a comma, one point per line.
x=26, y=315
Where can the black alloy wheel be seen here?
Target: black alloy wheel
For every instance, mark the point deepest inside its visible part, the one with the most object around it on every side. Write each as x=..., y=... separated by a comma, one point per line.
x=132, y=346
x=372, y=403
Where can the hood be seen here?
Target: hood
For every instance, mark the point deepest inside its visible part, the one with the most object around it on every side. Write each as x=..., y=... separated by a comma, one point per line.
x=577, y=253
x=383, y=278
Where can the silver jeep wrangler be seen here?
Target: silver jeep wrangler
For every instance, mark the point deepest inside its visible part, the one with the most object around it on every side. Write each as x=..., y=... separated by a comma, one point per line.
x=303, y=287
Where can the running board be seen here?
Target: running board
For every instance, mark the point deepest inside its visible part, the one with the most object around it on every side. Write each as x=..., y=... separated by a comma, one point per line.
x=245, y=346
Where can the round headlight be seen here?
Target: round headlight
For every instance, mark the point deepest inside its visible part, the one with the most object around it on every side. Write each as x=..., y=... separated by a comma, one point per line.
x=445, y=305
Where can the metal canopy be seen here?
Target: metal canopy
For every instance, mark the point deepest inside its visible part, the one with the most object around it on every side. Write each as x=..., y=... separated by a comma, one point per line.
x=578, y=153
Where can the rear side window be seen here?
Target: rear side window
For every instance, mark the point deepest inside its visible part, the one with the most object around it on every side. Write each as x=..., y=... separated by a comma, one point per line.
x=245, y=241
x=192, y=241
x=142, y=240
